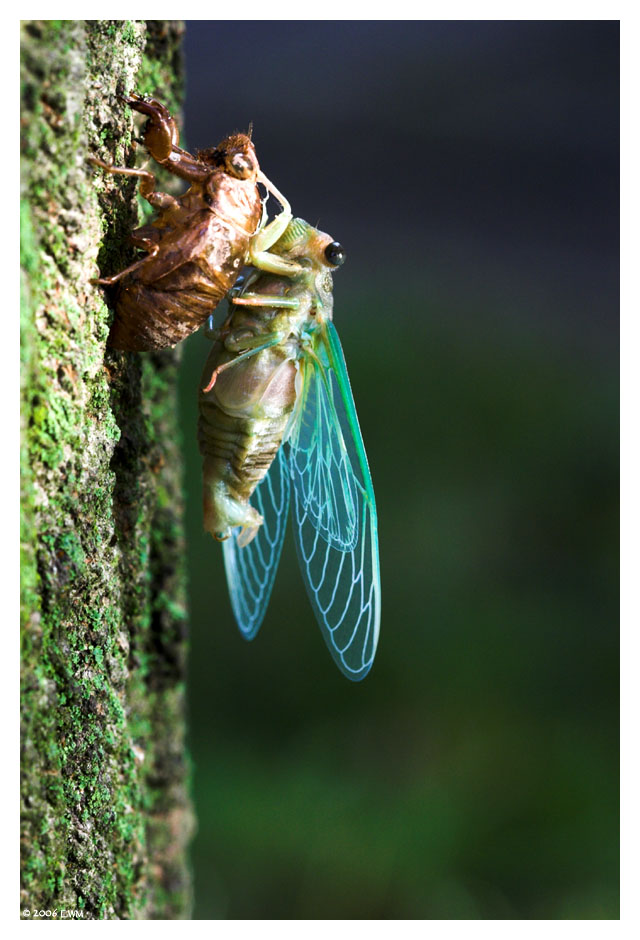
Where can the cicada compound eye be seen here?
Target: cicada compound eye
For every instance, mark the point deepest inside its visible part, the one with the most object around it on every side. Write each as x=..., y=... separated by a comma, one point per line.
x=335, y=254
x=241, y=166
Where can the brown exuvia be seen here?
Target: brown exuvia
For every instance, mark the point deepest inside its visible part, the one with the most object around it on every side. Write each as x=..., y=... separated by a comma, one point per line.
x=199, y=241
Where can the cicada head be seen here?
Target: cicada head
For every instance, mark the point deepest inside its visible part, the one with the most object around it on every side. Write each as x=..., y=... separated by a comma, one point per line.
x=235, y=155
x=302, y=241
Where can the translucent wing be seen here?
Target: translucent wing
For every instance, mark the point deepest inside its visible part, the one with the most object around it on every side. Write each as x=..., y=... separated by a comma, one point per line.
x=251, y=569
x=335, y=521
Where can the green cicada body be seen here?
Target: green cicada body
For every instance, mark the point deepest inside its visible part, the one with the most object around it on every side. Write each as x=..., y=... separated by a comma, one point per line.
x=277, y=425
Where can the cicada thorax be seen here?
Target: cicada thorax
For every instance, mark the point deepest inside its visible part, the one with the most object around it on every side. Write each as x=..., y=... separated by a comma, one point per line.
x=197, y=249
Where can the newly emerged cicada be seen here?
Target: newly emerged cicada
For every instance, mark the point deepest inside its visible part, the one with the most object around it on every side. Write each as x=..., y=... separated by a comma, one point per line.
x=277, y=415
x=199, y=241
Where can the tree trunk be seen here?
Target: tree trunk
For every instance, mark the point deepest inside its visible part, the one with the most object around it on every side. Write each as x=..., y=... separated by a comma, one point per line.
x=105, y=814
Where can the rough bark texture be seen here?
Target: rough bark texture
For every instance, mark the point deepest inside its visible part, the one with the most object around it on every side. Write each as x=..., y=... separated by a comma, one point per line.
x=106, y=816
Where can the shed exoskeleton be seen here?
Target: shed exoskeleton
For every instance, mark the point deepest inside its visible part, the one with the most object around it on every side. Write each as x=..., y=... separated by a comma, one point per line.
x=198, y=243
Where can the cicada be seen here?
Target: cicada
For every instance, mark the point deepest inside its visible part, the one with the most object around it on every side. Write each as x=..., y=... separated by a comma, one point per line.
x=277, y=417
x=199, y=242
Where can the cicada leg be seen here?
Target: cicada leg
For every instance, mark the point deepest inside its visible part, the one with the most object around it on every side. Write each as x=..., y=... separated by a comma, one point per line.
x=246, y=535
x=244, y=280
x=221, y=508
x=252, y=346
x=266, y=300
x=265, y=238
x=211, y=331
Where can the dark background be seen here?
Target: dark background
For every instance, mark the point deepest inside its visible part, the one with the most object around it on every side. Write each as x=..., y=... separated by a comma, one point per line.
x=470, y=169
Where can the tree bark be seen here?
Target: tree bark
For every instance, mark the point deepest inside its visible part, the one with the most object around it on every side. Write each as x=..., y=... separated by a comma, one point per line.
x=105, y=814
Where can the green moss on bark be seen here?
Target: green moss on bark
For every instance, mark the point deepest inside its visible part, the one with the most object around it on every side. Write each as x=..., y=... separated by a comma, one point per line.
x=106, y=816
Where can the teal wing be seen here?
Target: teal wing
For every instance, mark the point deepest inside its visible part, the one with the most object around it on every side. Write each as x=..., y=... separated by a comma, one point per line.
x=251, y=569
x=334, y=514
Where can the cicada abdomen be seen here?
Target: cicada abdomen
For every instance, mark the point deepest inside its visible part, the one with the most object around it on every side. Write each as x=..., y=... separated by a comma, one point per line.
x=242, y=422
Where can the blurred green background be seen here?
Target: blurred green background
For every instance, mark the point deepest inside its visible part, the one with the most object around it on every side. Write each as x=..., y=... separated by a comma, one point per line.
x=471, y=171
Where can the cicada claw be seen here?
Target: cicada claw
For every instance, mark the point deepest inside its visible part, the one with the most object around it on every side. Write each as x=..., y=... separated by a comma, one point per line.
x=247, y=535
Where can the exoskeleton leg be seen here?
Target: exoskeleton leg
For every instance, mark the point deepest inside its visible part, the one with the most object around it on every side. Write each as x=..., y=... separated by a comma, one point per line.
x=157, y=199
x=161, y=140
x=149, y=246
x=161, y=131
x=147, y=184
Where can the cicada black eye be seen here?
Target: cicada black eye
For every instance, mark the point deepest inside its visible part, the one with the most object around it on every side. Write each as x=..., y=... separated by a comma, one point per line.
x=335, y=254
